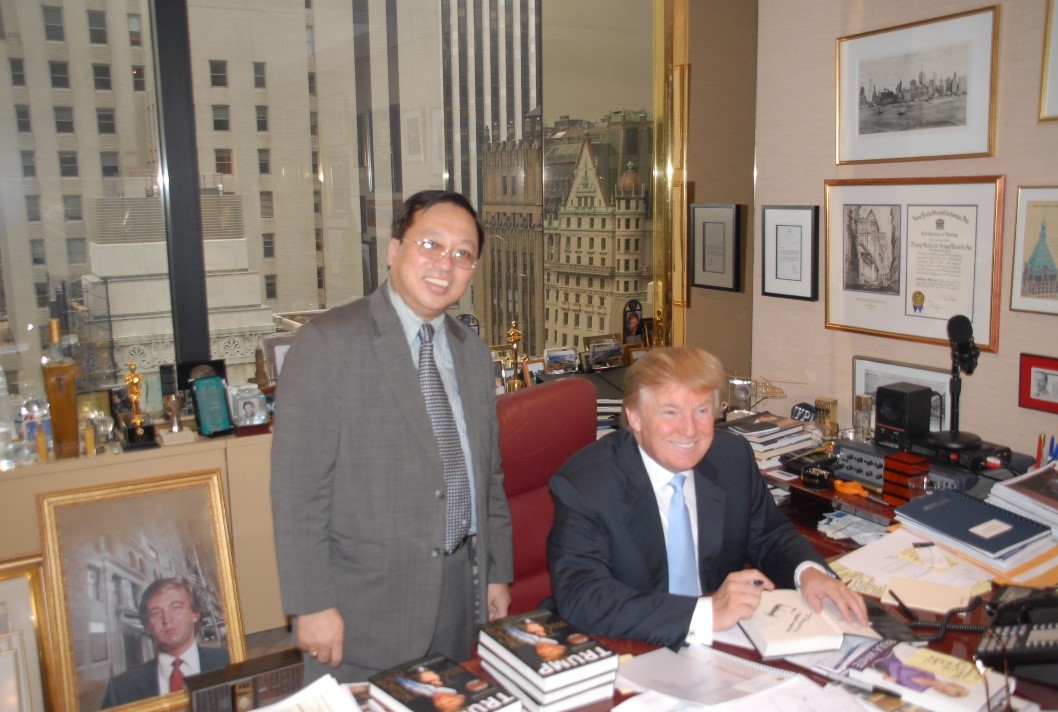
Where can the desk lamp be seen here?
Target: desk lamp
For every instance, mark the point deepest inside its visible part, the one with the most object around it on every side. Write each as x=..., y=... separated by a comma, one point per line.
x=964, y=353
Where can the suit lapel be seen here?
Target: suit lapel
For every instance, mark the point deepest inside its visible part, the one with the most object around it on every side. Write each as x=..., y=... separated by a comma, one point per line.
x=710, y=499
x=645, y=520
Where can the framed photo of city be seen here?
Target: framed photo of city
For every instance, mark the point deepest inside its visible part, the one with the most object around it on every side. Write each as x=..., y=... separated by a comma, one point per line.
x=114, y=556
x=922, y=90
x=905, y=255
x=714, y=235
x=1038, y=383
x=23, y=635
x=790, y=244
x=870, y=373
x=1049, y=75
x=1034, y=283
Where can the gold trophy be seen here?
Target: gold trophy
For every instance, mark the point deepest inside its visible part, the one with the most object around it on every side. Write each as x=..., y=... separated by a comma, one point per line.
x=139, y=430
x=514, y=337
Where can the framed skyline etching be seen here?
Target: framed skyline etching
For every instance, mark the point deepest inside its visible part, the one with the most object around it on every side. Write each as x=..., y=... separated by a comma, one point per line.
x=107, y=549
x=1034, y=283
x=790, y=245
x=714, y=239
x=923, y=90
x=905, y=255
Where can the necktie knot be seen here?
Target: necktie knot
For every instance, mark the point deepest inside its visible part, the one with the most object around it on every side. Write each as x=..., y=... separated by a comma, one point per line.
x=176, y=677
x=677, y=484
x=426, y=333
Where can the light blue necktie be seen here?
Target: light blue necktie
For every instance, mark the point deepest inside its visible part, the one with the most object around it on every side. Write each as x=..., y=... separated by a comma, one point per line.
x=683, y=563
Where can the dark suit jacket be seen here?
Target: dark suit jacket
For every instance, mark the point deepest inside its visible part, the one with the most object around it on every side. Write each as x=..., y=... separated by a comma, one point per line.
x=141, y=682
x=606, y=550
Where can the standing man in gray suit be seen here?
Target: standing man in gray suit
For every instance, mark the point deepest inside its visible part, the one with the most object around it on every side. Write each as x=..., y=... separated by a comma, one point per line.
x=384, y=553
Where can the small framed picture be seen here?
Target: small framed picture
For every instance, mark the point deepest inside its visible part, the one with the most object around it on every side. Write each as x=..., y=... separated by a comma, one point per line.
x=497, y=376
x=1038, y=383
x=790, y=241
x=589, y=341
x=211, y=406
x=248, y=405
x=633, y=329
x=275, y=349
x=715, y=247
x=633, y=352
x=531, y=367
x=607, y=354
x=584, y=361
x=560, y=360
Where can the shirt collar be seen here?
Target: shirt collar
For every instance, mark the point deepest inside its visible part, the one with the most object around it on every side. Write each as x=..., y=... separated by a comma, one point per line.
x=412, y=322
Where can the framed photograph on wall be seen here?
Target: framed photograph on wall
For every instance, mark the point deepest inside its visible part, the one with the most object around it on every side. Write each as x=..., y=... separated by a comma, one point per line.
x=23, y=635
x=714, y=254
x=113, y=550
x=789, y=249
x=1049, y=75
x=1034, y=284
x=918, y=91
x=868, y=373
x=1038, y=383
x=905, y=255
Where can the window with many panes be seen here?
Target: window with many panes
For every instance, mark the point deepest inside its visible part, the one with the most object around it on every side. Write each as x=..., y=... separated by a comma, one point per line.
x=264, y=161
x=139, y=80
x=218, y=73
x=68, y=164
x=97, y=27
x=22, y=118
x=271, y=286
x=262, y=118
x=76, y=251
x=60, y=75
x=33, y=208
x=71, y=208
x=101, y=77
x=108, y=162
x=259, y=75
x=64, y=119
x=36, y=253
x=268, y=245
x=53, y=29
x=135, y=30
x=105, y=122
x=223, y=160
x=29, y=164
x=267, y=207
x=18, y=72
x=221, y=117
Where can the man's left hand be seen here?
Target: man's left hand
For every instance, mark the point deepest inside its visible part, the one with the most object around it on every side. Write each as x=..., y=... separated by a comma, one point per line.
x=816, y=585
x=499, y=595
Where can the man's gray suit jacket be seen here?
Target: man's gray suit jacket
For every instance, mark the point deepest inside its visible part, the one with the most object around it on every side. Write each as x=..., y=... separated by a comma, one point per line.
x=357, y=480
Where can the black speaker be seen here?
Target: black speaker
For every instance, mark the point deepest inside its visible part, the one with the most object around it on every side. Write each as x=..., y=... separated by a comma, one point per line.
x=901, y=414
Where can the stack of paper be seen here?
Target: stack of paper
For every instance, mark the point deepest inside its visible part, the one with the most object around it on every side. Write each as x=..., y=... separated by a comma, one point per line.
x=1034, y=494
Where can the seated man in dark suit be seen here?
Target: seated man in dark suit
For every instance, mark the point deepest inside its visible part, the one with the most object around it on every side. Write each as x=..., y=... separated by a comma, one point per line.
x=170, y=612
x=632, y=556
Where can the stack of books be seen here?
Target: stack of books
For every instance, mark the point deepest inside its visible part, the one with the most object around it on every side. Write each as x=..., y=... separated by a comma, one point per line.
x=1033, y=495
x=547, y=662
x=769, y=435
x=437, y=683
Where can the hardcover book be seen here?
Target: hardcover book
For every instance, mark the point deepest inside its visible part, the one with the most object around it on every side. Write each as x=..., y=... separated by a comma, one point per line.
x=762, y=426
x=437, y=683
x=518, y=683
x=784, y=624
x=574, y=700
x=546, y=650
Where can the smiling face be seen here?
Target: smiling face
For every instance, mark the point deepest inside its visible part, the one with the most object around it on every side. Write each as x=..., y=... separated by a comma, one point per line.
x=673, y=424
x=429, y=286
x=171, y=620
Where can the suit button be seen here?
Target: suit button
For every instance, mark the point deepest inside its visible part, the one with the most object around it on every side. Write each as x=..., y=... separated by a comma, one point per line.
x=436, y=553
x=440, y=494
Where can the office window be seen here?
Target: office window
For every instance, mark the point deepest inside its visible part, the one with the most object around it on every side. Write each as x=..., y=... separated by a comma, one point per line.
x=259, y=75
x=314, y=127
x=320, y=282
x=310, y=41
x=108, y=161
x=308, y=4
x=29, y=164
x=18, y=72
x=271, y=286
x=53, y=29
x=101, y=77
x=60, y=75
x=319, y=239
x=268, y=245
x=68, y=164
x=71, y=208
x=262, y=118
x=218, y=73
x=317, y=202
x=221, y=117
x=264, y=161
x=41, y=288
x=76, y=251
x=64, y=119
x=267, y=208
x=105, y=121
x=36, y=253
x=315, y=163
x=135, y=30
x=97, y=27
x=33, y=208
x=223, y=160
x=312, y=83
x=139, y=81
x=22, y=118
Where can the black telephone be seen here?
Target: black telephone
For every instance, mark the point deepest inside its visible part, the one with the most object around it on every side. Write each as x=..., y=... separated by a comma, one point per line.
x=1024, y=629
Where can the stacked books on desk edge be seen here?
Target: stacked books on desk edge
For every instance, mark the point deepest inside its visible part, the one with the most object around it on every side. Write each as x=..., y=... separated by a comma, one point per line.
x=433, y=682
x=547, y=662
x=1033, y=495
x=768, y=434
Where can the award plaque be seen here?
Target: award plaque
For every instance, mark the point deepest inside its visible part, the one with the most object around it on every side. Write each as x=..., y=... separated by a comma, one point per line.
x=211, y=406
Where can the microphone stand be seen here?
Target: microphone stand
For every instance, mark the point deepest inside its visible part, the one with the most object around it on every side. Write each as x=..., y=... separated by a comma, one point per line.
x=953, y=439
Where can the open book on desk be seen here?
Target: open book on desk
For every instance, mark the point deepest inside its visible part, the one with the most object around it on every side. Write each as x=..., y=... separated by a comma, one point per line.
x=784, y=624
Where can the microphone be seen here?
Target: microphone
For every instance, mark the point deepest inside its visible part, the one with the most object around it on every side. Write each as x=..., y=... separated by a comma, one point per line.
x=964, y=351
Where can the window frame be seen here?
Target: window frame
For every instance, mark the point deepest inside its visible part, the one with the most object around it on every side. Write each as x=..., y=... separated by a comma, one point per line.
x=221, y=123
x=72, y=207
x=260, y=77
x=23, y=118
x=53, y=32
x=72, y=258
x=268, y=245
x=29, y=168
x=61, y=124
x=224, y=158
x=33, y=208
x=264, y=161
x=17, y=65
x=38, y=253
x=59, y=73
x=139, y=78
x=261, y=112
x=135, y=33
x=68, y=167
x=101, y=79
x=102, y=121
x=105, y=164
x=95, y=32
x=218, y=73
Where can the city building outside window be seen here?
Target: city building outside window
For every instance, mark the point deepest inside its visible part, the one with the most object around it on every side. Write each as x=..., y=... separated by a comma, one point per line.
x=267, y=208
x=71, y=208
x=33, y=208
x=64, y=119
x=97, y=27
x=29, y=164
x=135, y=30
x=68, y=164
x=105, y=122
x=76, y=251
x=317, y=202
x=53, y=29
x=36, y=253
x=101, y=77
x=314, y=128
x=315, y=163
x=223, y=160
x=271, y=287
x=268, y=245
x=321, y=282
x=218, y=73
x=18, y=72
x=41, y=289
x=22, y=118
x=139, y=81
x=108, y=161
x=312, y=83
x=60, y=75
x=264, y=161
x=221, y=117
x=259, y=75
x=310, y=41
x=262, y=118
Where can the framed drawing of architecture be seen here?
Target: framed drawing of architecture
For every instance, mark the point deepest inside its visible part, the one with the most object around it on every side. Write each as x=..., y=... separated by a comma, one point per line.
x=905, y=255
x=1049, y=75
x=870, y=373
x=714, y=238
x=790, y=245
x=917, y=91
x=134, y=570
x=1034, y=283
x=23, y=635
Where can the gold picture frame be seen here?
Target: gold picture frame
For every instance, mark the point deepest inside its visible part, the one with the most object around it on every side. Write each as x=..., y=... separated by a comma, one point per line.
x=103, y=546
x=531, y=367
x=24, y=631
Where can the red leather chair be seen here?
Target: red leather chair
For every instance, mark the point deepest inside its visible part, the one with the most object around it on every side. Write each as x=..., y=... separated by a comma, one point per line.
x=540, y=427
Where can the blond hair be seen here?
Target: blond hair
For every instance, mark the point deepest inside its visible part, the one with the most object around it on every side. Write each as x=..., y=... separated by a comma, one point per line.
x=690, y=367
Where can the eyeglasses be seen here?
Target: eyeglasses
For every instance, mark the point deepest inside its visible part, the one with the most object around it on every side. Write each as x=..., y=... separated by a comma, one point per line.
x=463, y=259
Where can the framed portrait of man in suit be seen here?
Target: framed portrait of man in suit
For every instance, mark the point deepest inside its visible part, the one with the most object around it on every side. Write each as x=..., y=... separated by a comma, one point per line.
x=140, y=585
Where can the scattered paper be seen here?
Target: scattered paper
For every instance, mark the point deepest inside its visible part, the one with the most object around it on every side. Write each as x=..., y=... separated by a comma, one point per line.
x=927, y=595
